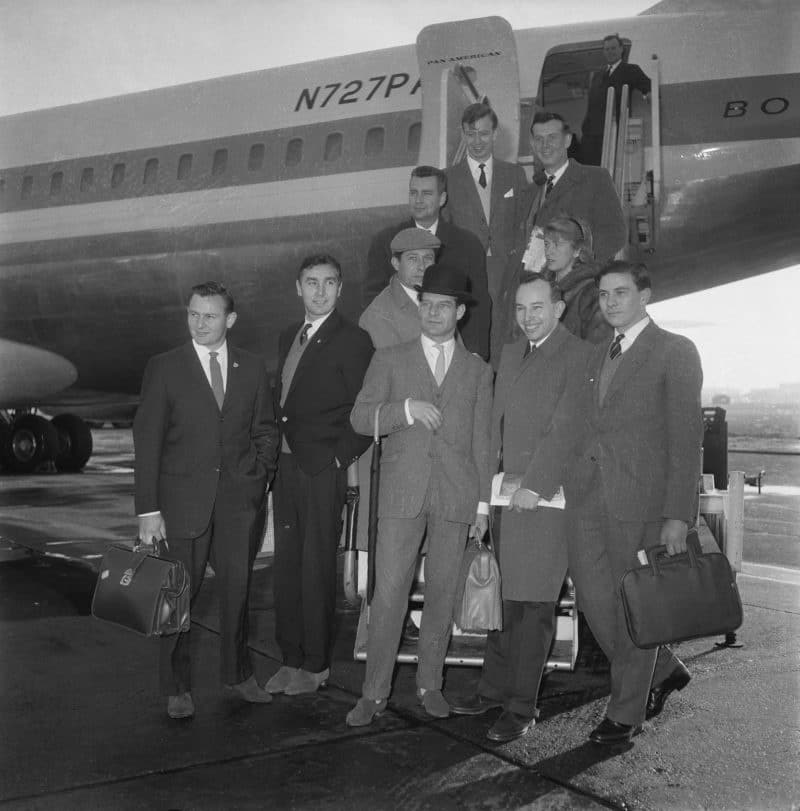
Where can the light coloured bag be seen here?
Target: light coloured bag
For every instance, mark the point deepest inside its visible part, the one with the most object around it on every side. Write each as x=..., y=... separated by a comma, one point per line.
x=479, y=606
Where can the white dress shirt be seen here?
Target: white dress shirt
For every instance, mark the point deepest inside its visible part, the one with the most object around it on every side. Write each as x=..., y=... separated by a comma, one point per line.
x=488, y=166
x=315, y=325
x=204, y=355
x=632, y=333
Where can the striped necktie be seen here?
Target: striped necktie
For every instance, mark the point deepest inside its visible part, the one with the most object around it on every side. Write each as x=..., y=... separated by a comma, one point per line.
x=616, y=350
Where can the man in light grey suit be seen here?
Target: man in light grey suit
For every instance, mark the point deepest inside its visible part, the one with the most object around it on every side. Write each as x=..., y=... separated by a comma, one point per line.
x=435, y=405
x=632, y=485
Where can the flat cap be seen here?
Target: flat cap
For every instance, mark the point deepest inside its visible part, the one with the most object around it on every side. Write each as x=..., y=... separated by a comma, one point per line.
x=413, y=239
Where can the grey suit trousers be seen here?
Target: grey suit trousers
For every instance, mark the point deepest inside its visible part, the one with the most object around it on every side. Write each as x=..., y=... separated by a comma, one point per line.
x=399, y=541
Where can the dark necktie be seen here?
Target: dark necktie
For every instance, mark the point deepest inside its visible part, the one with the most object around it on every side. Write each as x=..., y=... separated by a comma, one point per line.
x=482, y=178
x=529, y=349
x=304, y=333
x=616, y=349
x=216, y=378
x=549, y=185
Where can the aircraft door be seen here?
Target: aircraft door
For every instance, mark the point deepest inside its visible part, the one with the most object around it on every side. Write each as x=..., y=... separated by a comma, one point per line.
x=461, y=63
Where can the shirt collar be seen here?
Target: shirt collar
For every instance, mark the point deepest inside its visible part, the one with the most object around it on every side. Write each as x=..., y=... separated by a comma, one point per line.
x=474, y=165
x=558, y=172
x=411, y=292
x=428, y=343
x=432, y=228
x=537, y=345
x=613, y=67
x=633, y=332
x=315, y=325
x=203, y=352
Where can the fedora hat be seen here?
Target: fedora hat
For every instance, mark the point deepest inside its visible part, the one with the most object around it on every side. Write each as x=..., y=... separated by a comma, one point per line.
x=446, y=280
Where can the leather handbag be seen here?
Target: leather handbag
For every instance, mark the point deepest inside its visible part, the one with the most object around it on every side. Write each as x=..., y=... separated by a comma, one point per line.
x=143, y=591
x=479, y=605
x=680, y=597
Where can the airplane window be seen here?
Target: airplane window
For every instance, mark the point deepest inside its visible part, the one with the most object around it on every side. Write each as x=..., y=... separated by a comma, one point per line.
x=87, y=179
x=255, y=160
x=117, y=175
x=27, y=187
x=414, y=136
x=333, y=146
x=294, y=151
x=150, y=172
x=56, y=183
x=184, y=166
x=373, y=143
x=220, y=163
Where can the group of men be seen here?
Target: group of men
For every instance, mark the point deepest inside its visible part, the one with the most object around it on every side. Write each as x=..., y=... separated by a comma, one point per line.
x=617, y=425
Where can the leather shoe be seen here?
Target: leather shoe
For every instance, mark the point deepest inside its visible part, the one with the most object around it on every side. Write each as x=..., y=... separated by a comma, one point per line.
x=180, y=706
x=474, y=705
x=250, y=691
x=509, y=726
x=676, y=680
x=609, y=732
x=280, y=681
x=365, y=712
x=306, y=682
x=410, y=630
x=433, y=702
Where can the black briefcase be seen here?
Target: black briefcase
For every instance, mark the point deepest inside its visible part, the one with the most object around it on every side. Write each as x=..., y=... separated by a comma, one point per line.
x=143, y=591
x=680, y=597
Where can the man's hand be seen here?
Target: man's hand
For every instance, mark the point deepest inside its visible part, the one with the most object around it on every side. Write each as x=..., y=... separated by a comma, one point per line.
x=478, y=529
x=673, y=535
x=152, y=529
x=523, y=499
x=426, y=413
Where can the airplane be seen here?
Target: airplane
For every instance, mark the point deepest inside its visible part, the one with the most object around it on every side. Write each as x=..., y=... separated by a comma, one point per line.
x=111, y=209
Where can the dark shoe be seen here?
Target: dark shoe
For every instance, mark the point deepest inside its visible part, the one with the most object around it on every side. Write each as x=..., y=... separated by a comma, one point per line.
x=365, y=711
x=509, y=726
x=250, y=691
x=306, y=682
x=180, y=706
x=676, y=680
x=410, y=631
x=281, y=680
x=474, y=705
x=434, y=703
x=612, y=732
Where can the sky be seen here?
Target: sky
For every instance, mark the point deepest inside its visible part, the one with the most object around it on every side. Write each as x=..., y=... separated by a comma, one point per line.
x=55, y=52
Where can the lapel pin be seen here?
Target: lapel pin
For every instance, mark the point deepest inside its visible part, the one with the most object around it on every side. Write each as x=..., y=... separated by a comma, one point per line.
x=235, y=365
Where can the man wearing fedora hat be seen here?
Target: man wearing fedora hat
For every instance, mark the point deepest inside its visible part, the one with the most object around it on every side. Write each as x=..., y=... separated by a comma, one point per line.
x=393, y=317
x=435, y=405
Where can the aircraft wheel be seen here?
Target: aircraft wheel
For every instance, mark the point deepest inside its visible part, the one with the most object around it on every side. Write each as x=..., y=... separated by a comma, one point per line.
x=30, y=441
x=75, y=442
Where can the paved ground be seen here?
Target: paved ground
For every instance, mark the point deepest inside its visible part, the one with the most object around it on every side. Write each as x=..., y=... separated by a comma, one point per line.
x=83, y=726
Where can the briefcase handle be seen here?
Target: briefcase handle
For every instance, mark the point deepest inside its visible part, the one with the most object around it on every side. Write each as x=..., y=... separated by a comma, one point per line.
x=142, y=552
x=693, y=549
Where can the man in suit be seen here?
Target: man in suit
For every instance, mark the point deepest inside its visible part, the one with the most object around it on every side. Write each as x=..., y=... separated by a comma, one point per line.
x=572, y=190
x=435, y=403
x=616, y=73
x=393, y=317
x=632, y=485
x=485, y=193
x=321, y=365
x=531, y=439
x=427, y=193
x=206, y=443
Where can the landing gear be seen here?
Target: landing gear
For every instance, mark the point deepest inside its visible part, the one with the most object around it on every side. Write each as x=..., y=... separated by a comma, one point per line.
x=75, y=442
x=30, y=440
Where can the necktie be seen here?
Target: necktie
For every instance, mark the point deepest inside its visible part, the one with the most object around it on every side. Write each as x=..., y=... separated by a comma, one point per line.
x=528, y=350
x=549, y=185
x=482, y=178
x=616, y=349
x=216, y=378
x=304, y=333
x=439, y=370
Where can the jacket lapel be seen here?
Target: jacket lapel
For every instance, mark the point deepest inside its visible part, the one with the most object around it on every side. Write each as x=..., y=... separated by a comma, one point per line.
x=632, y=361
x=234, y=378
x=198, y=375
x=315, y=345
x=452, y=379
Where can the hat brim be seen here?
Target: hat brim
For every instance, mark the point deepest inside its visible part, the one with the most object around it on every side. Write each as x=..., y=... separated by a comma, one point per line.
x=459, y=295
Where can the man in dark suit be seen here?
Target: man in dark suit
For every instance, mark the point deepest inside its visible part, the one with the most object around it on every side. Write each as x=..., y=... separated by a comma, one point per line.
x=632, y=485
x=321, y=365
x=427, y=193
x=484, y=194
x=531, y=439
x=616, y=73
x=435, y=402
x=206, y=443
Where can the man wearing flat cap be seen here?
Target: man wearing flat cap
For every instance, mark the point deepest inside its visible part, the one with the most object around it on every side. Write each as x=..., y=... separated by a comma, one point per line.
x=435, y=405
x=393, y=317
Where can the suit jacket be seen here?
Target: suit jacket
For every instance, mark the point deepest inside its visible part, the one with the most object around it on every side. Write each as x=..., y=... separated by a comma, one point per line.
x=315, y=415
x=392, y=318
x=586, y=192
x=454, y=459
x=533, y=435
x=186, y=448
x=624, y=74
x=505, y=205
x=643, y=444
x=460, y=248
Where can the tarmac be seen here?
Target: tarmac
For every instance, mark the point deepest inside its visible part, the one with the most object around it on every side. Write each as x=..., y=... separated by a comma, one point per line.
x=83, y=726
